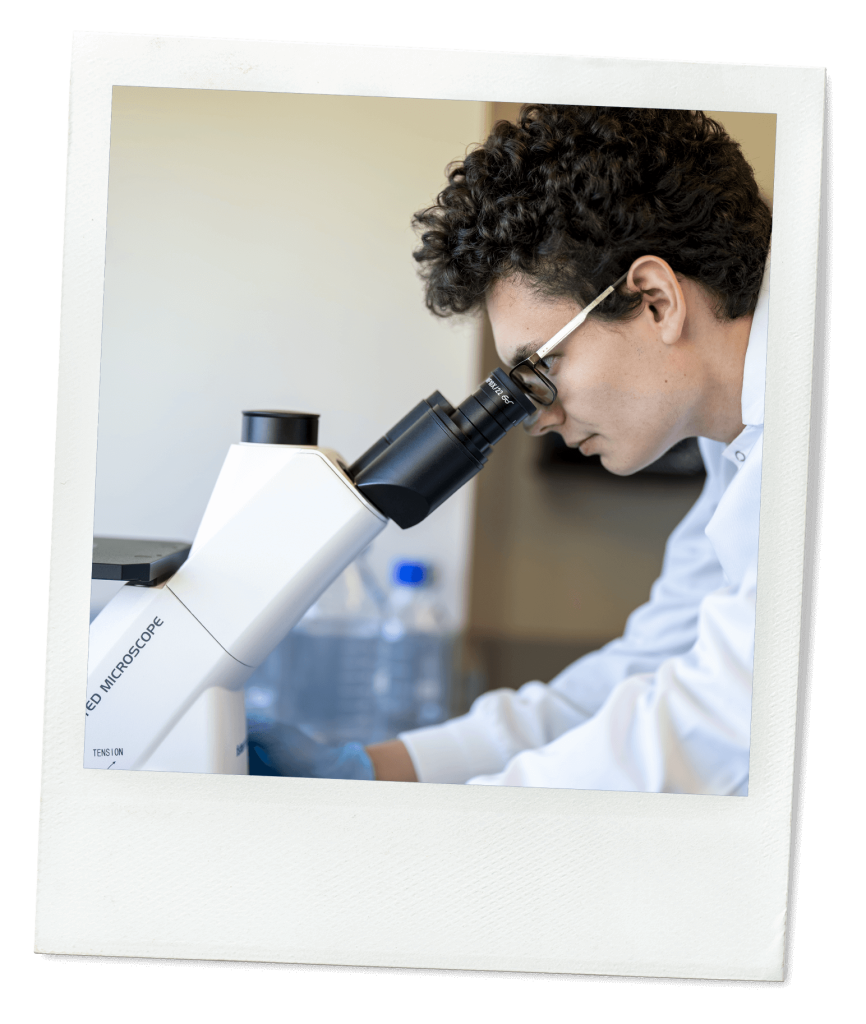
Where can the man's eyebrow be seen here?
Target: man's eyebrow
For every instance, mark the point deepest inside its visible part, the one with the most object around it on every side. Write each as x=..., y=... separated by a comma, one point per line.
x=523, y=352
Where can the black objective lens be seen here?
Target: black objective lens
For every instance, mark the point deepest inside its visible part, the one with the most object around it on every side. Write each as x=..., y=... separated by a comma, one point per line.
x=435, y=449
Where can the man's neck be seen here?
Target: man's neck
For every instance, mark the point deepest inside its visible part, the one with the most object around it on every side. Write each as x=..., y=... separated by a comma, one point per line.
x=720, y=349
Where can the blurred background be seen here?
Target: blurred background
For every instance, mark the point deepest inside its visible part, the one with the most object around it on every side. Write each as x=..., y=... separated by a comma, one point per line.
x=258, y=255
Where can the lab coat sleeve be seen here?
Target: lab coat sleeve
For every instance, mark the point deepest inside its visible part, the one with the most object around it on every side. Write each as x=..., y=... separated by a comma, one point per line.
x=682, y=729
x=503, y=723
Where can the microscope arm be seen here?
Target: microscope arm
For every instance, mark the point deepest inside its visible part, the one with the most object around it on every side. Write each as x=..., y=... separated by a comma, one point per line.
x=168, y=663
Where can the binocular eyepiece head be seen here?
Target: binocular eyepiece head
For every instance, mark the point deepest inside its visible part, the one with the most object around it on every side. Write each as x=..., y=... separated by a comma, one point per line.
x=435, y=449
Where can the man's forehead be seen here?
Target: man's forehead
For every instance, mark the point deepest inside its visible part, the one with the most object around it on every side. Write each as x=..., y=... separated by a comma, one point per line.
x=516, y=294
x=523, y=319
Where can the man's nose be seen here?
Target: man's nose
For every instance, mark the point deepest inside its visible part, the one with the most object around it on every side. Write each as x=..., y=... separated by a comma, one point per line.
x=545, y=418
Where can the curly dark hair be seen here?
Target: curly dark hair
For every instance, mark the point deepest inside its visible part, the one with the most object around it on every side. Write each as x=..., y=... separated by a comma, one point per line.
x=569, y=196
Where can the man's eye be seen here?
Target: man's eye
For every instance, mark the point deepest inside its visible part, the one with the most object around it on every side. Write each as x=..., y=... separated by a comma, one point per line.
x=549, y=363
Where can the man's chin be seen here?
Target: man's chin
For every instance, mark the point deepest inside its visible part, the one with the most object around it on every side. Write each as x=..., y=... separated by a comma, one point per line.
x=618, y=470
x=620, y=467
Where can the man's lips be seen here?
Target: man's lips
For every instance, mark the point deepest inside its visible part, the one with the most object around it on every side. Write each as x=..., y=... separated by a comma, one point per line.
x=580, y=444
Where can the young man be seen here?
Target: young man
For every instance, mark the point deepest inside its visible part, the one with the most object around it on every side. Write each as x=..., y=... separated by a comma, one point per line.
x=533, y=226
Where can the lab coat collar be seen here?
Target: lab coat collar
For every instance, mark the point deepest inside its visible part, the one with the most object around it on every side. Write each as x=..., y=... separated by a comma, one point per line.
x=754, y=380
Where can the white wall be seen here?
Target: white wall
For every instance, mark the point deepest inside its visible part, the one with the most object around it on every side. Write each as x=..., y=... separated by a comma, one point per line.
x=259, y=256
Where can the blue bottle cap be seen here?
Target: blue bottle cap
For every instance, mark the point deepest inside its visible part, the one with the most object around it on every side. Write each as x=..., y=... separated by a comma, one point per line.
x=411, y=574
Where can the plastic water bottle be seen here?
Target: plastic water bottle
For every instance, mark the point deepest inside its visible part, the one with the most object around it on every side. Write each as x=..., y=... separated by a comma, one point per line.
x=321, y=677
x=413, y=678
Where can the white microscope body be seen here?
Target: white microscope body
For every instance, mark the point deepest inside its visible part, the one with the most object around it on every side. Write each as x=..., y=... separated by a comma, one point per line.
x=168, y=663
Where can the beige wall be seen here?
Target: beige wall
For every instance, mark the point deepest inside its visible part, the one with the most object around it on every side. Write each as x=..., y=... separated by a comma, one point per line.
x=756, y=134
x=259, y=256
x=561, y=559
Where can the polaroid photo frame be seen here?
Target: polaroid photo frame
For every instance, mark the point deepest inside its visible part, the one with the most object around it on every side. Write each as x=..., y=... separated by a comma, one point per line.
x=224, y=867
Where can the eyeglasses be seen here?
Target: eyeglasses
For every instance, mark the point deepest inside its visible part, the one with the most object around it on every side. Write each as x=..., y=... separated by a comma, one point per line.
x=526, y=374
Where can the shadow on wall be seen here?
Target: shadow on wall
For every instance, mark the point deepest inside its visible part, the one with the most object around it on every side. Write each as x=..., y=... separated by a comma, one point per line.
x=491, y=662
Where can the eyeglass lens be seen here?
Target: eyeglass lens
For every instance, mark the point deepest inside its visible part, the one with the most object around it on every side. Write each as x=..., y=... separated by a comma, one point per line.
x=533, y=384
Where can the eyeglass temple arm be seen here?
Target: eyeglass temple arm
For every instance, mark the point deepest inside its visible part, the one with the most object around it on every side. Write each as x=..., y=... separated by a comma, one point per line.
x=578, y=320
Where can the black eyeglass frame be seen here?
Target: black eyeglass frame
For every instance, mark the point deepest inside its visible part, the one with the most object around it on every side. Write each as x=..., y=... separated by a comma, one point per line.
x=530, y=363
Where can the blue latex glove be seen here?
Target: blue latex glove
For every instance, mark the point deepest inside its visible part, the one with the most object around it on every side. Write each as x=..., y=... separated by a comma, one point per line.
x=285, y=750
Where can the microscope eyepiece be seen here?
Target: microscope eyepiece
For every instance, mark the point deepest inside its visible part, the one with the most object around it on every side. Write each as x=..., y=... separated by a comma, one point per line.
x=491, y=411
x=435, y=449
x=278, y=426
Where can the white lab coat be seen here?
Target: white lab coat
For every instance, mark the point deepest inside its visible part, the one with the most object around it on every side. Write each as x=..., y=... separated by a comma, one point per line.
x=667, y=706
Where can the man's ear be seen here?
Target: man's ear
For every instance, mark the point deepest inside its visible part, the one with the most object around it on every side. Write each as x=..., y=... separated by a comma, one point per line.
x=662, y=296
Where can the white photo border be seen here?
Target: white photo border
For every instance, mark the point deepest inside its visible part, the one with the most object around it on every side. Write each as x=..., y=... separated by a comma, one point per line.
x=150, y=864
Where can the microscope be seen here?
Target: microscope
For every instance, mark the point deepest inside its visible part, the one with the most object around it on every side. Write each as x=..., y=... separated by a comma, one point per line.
x=170, y=653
